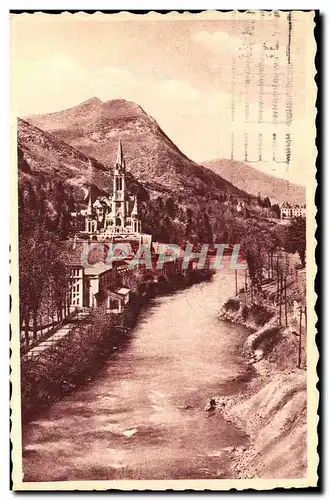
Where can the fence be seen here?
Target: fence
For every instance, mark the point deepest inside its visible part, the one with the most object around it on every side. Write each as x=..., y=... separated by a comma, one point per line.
x=281, y=290
x=43, y=332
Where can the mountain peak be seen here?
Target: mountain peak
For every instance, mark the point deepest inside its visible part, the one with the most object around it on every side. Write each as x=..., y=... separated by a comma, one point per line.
x=122, y=108
x=92, y=100
x=94, y=128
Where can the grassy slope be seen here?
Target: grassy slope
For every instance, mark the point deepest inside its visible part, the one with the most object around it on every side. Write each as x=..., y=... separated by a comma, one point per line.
x=48, y=157
x=251, y=179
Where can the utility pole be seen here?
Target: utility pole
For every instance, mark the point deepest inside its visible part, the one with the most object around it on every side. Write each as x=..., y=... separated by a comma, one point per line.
x=268, y=266
x=246, y=280
x=287, y=264
x=280, y=298
x=285, y=300
x=236, y=282
x=300, y=338
x=277, y=279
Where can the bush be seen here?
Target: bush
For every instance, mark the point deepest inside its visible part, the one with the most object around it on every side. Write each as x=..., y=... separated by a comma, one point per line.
x=245, y=312
x=260, y=314
x=232, y=304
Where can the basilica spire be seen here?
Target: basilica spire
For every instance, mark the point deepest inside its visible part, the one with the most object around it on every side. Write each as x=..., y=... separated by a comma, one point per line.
x=135, y=219
x=135, y=207
x=120, y=161
x=89, y=208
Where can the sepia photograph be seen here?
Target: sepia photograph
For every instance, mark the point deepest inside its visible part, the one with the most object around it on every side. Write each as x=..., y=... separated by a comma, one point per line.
x=163, y=251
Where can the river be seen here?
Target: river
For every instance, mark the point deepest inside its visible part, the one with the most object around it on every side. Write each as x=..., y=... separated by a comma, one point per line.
x=143, y=416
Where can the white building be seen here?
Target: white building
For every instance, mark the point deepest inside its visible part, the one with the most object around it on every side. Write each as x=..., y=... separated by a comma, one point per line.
x=96, y=284
x=76, y=285
x=289, y=211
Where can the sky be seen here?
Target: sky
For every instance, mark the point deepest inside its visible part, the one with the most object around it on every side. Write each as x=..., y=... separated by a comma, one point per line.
x=187, y=72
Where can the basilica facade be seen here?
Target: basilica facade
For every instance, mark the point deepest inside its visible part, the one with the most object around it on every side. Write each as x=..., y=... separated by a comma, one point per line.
x=116, y=215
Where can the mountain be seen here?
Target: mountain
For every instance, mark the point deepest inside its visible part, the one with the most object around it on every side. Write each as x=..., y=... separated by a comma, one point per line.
x=94, y=128
x=254, y=181
x=41, y=156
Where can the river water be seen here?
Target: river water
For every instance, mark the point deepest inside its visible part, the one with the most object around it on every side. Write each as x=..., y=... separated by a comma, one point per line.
x=143, y=416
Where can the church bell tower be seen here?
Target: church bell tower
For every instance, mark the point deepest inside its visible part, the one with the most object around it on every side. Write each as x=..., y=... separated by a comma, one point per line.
x=119, y=187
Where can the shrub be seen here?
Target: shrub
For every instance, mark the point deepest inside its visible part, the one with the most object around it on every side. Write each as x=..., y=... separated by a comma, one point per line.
x=260, y=314
x=233, y=304
x=245, y=312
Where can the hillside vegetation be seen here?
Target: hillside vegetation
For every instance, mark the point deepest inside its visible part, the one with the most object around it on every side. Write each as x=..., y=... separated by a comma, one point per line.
x=252, y=180
x=43, y=157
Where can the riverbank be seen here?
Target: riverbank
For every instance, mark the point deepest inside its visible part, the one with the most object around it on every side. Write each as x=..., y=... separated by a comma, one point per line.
x=272, y=408
x=77, y=358
x=142, y=416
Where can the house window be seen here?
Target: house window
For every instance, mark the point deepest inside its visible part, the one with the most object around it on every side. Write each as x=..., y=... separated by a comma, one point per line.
x=74, y=273
x=75, y=287
x=114, y=304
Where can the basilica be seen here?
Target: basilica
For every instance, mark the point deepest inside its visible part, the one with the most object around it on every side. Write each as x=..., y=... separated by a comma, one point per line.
x=117, y=215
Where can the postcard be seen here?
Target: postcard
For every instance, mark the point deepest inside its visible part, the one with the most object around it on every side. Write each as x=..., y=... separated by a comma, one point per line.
x=163, y=251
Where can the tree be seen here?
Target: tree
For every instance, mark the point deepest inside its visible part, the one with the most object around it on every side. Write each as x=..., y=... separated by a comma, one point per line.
x=276, y=210
x=44, y=222
x=204, y=232
x=189, y=214
x=296, y=238
x=260, y=201
x=257, y=242
x=170, y=207
x=267, y=202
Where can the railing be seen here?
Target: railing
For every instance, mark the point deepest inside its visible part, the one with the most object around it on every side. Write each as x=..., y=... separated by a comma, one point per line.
x=47, y=332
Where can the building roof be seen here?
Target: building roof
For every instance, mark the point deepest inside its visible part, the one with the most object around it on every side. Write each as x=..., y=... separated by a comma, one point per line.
x=298, y=206
x=98, y=269
x=121, y=264
x=102, y=201
x=285, y=204
x=118, y=293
